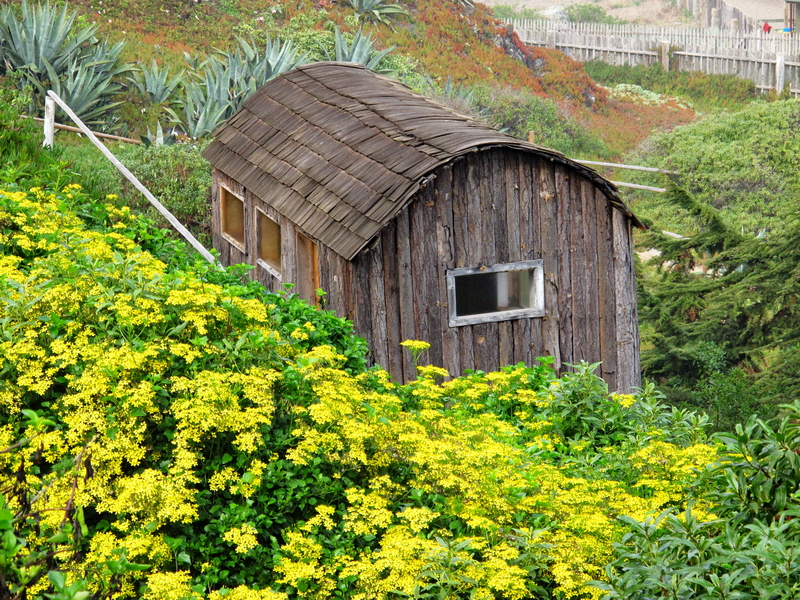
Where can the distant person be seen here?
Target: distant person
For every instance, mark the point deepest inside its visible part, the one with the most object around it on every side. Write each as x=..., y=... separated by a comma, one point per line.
x=767, y=27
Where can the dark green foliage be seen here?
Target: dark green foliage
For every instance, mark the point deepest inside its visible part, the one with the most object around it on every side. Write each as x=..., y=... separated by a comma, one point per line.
x=743, y=163
x=20, y=139
x=518, y=111
x=178, y=176
x=706, y=92
x=723, y=300
x=590, y=13
x=752, y=551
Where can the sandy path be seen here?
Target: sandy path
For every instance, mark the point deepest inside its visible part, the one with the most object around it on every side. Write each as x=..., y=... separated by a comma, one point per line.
x=762, y=10
x=657, y=12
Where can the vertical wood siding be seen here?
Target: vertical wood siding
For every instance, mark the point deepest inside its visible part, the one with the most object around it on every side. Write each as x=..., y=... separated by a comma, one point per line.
x=490, y=207
x=494, y=207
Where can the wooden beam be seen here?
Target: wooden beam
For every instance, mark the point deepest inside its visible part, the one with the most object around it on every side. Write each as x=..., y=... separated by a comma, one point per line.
x=631, y=167
x=49, y=122
x=636, y=186
x=136, y=183
x=106, y=136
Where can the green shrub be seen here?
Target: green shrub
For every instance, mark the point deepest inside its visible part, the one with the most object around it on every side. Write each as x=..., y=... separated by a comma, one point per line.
x=742, y=163
x=506, y=12
x=590, y=13
x=751, y=551
x=518, y=111
x=705, y=92
x=20, y=139
x=736, y=314
x=178, y=176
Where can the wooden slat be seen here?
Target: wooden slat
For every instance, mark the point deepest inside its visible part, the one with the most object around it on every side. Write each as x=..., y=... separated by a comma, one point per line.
x=392, y=298
x=500, y=166
x=535, y=217
x=565, y=300
x=462, y=218
x=419, y=267
x=377, y=296
x=518, y=212
x=407, y=291
x=445, y=239
x=606, y=290
x=434, y=311
x=627, y=338
x=577, y=261
x=486, y=336
x=549, y=236
x=361, y=301
x=592, y=306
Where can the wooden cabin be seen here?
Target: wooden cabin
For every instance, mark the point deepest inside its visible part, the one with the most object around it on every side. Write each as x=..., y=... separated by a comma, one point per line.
x=421, y=223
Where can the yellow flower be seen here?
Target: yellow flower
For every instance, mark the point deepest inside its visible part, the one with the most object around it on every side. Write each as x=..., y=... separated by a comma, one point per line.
x=415, y=346
x=244, y=538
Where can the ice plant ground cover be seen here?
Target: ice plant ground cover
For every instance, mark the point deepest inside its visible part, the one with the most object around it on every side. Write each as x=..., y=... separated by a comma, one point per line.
x=171, y=432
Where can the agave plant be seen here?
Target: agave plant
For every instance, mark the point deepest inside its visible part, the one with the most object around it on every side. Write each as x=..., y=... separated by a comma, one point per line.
x=44, y=47
x=376, y=10
x=199, y=116
x=159, y=138
x=44, y=35
x=87, y=84
x=361, y=51
x=222, y=81
x=154, y=84
x=250, y=69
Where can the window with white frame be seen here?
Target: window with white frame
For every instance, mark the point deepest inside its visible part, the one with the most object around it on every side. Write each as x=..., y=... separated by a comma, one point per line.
x=498, y=293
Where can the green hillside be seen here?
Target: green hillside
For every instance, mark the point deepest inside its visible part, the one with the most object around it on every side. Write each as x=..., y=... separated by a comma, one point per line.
x=171, y=433
x=160, y=65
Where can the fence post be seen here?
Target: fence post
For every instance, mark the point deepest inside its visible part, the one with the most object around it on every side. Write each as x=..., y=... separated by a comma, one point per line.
x=665, y=54
x=49, y=122
x=780, y=72
x=551, y=39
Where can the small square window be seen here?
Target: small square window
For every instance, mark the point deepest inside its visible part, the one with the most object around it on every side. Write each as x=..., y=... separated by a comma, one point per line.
x=269, y=243
x=497, y=293
x=232, y=215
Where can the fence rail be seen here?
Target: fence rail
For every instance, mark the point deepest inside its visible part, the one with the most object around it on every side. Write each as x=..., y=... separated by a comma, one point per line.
x=769, y=60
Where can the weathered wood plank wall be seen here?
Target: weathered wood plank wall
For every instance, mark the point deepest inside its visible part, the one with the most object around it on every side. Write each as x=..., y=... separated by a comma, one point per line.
x=493, y=207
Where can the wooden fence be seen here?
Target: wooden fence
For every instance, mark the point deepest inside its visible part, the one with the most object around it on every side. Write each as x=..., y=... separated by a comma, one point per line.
x=769, y=60
x=718, y=13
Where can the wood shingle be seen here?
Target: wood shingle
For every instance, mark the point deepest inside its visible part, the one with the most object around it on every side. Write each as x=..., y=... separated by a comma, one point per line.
x=351, y=148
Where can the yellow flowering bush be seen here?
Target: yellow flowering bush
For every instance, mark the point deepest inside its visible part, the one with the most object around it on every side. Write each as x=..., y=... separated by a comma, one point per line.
x=203, y=440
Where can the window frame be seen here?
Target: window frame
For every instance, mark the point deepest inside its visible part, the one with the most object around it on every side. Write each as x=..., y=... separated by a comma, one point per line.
x=307, y=267
x=536, y=293
x=259, y=261
x=242, y=246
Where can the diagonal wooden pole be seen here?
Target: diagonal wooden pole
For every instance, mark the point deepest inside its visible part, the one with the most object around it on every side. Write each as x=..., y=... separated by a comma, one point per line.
x=136, y=183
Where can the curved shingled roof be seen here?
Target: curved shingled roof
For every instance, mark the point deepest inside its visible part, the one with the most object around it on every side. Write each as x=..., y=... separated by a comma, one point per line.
x=340, y=150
